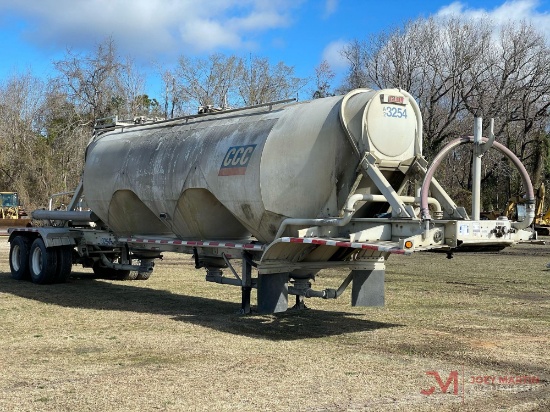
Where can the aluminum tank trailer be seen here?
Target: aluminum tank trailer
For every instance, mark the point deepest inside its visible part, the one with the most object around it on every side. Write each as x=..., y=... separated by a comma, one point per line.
x=286, y=188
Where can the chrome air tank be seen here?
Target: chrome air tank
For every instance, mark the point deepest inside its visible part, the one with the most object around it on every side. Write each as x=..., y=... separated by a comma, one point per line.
x=240, y=173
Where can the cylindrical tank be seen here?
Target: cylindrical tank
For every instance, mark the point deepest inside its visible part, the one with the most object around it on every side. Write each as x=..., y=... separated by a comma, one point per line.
x=241, y=173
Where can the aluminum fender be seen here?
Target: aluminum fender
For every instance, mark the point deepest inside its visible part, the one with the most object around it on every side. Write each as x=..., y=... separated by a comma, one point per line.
x=52, y=236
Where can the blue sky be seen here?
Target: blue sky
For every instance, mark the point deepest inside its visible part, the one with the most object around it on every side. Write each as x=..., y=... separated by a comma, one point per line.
x=300, y=33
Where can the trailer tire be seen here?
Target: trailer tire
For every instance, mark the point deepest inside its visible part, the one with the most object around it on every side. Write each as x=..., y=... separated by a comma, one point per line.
x=133, y=275
x=42, y=263
x=143, y=275
x=64, y=263
x=121, y=275
x=19, y=258
x=110, y=273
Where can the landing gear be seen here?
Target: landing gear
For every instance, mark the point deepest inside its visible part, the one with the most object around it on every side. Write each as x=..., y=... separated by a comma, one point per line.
x=300, y=303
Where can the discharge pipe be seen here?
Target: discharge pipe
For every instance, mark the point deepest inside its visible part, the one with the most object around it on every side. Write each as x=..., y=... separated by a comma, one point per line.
x=530, y=195
x=349, y=210
x=73, y=215
x=325, y=294
x=120, y=266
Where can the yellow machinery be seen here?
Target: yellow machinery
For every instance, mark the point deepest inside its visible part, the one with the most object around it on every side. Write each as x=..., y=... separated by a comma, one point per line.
x=542, y=218
x=515, y=210
x=11, y=212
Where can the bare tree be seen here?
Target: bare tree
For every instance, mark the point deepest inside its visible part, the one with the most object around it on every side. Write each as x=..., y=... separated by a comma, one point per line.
x=224, y=81
x=323, y=76
x=20, y=103
x=90, y=81
x=131, y=89
x=66, y=138
x=40, y=152
x=355, y=53
x=459, y=68
x=207, y=81
x=431, y=60
x=261, y=82
x=171, y=101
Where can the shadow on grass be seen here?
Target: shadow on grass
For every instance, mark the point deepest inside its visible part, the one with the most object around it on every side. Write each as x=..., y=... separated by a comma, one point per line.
x=86, y=291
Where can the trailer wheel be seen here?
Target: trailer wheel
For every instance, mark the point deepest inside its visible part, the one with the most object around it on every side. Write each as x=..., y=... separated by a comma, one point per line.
x=42, y=263
x=19, y=258
x=64, y=263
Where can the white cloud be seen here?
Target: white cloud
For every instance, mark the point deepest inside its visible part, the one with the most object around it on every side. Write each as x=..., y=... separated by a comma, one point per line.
x=332, y=54
x=206, y=35
x=330, y=7
x=145, y=28
x=259, y=21
x=512, y=10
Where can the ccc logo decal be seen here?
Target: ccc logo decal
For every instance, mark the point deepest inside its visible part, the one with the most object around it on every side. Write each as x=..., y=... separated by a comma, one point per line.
x=236, y=160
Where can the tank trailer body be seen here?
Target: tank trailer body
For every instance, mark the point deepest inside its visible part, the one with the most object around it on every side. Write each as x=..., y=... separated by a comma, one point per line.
x=286, y=188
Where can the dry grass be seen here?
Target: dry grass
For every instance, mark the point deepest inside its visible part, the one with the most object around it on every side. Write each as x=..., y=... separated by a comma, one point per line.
x=174, y=342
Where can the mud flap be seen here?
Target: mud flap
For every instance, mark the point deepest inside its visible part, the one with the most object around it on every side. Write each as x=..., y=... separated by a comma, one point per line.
x=368, y=287
x=272, y=293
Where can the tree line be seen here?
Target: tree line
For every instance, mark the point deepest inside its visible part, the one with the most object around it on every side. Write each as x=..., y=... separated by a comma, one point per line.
x=459, y=69
x=455, y=68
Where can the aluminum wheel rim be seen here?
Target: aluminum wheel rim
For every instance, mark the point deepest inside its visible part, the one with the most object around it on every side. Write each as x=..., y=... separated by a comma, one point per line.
x=16, y=258
x=37, y=261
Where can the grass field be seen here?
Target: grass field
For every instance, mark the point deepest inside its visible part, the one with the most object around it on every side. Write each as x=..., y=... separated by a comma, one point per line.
x=175, y=342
